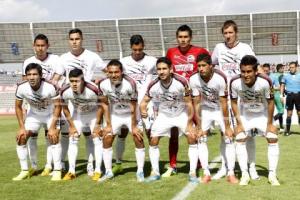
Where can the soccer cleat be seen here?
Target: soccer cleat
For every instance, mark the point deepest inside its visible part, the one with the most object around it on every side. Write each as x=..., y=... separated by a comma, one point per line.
x=193, y=178
x=245, y=179
x=90, y=169
x=96, y=176
x=69, y=176
x=232, y=179
x=56, y=175
x=117, y=169
x=253, y=174
x=152, y=177
x=107, y=176
x=22, y=175
x=140, y=177
x=273, y=180
x=220, y=174
x=32, y=172
x=170, y=172
x=206, y=179
x=46, y=172
x=287, y=134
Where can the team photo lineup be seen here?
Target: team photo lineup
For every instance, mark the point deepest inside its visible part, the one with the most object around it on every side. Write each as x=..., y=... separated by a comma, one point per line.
x=188, y=92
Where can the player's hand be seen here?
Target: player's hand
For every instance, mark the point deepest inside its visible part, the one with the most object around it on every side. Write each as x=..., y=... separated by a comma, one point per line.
x=136, y=132
x=106, y=131
x=199, y=133
x=239, y=128
x=73, y=132
x=229, y=133
x=271, y=128
x=22, y=137
x=53, y=135
x=97, y=132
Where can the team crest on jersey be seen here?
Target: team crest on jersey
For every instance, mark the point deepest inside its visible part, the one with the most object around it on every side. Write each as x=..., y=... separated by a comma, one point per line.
x=191, y=58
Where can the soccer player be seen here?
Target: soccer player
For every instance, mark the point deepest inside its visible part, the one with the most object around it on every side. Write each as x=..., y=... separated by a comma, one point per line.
x=290, y=85
x=226, y=57
x=44, y=102
x=172, y=93
x=83, y=97
x=141, y=68
x=88, y=62
x=183, y=58
x=209, y=91
x=52, y=70
x=253, y=106
x=119, y=93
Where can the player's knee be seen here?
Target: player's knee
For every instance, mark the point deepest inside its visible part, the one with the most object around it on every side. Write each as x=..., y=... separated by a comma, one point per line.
x=241, y=137
x=272, y=137
x=154, y=141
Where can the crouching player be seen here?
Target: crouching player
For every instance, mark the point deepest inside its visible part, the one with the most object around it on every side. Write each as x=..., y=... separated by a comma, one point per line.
x=45, y=108
x=253, y=106
x=119, y=93
x=209, y=91
x=84, y=98
x=172, y=93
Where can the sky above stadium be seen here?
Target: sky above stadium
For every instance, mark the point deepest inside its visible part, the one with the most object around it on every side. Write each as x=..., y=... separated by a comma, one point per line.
x=70, y=10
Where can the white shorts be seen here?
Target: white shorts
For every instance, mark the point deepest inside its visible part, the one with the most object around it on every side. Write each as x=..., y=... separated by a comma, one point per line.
x=258, y=122
x=85, y=123
x=34, y=122
x=120, y=121
x=163, y=123
x=209, y=116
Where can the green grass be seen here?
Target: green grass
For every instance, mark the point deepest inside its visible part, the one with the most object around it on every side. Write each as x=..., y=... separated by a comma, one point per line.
x=125, y=186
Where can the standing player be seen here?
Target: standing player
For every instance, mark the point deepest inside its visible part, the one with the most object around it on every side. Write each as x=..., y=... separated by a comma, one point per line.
x=52, y=70
x=290, y=85
x=44, y=102
x=84, y=99
x=227, y=56
x=172, y=93
x=254, y=110
x=183, y=58
x=88, y=62
x=141, y=68
x=209, y=91
x=119, y=92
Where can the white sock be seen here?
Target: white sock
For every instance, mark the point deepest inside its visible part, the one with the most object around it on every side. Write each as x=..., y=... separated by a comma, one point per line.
x=64, y=141
x=273, y=156
x=56, y=154
x=120, y=148
x=72, y=153
x=154, y=158
x=107, y=159
x=223, y=155
x=193, y=157
x=98, y=153
x=32, y=151
x=49, y=154
x=89, y=145
x=230, y=157
x=242, y=156
x=203, y=156
x=140, y=159
x=22, y=155
x=251, y=149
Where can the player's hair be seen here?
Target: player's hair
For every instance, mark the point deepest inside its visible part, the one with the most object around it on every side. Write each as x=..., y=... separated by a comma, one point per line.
x=136, y=40
x=294, y=63
x=204, y=57
x=229, y=23
x=279, y=66
x=36, y=66
x=164, y=60
x=249, y=60
x=75, y=73
x=115, y=62
x=41, y=36
x=75, y=30
x=184, y=28
x=266, y=65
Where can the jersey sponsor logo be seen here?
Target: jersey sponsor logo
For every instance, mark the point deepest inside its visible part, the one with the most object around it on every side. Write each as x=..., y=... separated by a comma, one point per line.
x=184, y=67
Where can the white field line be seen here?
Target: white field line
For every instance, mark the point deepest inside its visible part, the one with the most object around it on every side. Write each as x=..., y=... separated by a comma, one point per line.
x=190, y=187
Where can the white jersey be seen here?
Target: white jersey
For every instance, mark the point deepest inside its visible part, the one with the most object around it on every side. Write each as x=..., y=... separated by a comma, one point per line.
x=87, y=61
x=119, y=96
x=229, y=59
x=210, y=91
x=84, y=103
x=40, y=101
x=51, y=65
x=252, y=100
x=170, y=100
x=141, y=71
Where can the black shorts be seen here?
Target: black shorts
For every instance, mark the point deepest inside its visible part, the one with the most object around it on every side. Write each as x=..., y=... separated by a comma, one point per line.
x=291, y=100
